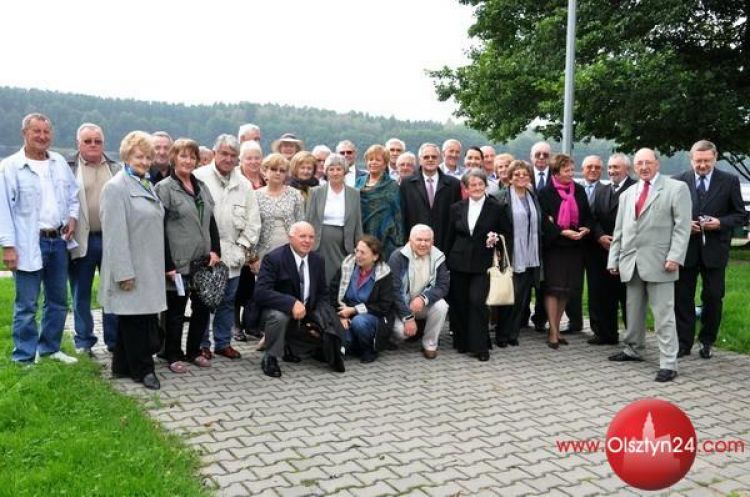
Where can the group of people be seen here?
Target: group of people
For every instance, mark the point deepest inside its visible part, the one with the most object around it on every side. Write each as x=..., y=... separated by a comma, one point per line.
x=328, y=259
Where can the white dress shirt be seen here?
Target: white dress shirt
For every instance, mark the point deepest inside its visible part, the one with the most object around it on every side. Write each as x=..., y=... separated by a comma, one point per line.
x=475, y=208
x=306, y=272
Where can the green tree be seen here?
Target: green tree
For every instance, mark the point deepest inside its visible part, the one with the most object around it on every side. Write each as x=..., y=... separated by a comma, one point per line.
x=656, y=73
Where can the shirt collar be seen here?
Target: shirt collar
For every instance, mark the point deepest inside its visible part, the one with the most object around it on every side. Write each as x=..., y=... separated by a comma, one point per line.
x=707, y=176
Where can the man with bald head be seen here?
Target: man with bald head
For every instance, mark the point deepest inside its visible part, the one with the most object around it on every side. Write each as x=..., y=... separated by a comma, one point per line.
x=291, y=286
x=648, y=247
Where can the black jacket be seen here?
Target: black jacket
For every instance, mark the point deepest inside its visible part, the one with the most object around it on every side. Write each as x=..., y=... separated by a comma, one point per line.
x=415, y=209
x=550, y=201
x=467, y=252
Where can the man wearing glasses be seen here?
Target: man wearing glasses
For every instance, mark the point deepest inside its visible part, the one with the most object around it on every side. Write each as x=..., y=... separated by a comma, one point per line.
x=540, y=157
x=395, y=148
x=349, y=151
x=92, y=169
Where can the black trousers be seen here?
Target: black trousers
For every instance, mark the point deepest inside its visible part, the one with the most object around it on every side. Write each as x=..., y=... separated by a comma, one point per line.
x=468, y=294
x=510, y=327
x=174, y=325
x=243, y=300
x=613, y=296
x=712, y=297
x=133, y=354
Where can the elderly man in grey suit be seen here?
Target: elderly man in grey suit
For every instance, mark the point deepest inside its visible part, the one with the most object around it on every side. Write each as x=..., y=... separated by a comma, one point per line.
x=648, y=246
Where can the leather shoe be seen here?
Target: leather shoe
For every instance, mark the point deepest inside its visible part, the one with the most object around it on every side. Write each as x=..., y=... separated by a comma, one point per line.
x=683, y=352
x=597, y=340
x=623, y=357
x=571, y=329
x=483, y=356
x=705, y=351
x=270, y=367
x=513, y=343
x=539, y=328
x=429, y=354
x=665, y=375
x=289, y=356
x=368, y=357
x=553, y=345
x=502, y=343
x=151, y=382
x=228, y=352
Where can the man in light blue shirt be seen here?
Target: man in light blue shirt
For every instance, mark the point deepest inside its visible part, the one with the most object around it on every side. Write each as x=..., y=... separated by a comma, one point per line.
x=38, y=216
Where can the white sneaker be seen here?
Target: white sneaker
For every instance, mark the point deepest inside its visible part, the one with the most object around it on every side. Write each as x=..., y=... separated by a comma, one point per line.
x=63, y=357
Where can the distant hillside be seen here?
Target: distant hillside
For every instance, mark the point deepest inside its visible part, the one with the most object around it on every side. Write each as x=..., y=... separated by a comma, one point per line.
x=204, y=122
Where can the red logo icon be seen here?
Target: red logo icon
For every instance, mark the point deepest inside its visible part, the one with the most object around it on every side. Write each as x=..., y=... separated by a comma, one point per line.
x=651, y=444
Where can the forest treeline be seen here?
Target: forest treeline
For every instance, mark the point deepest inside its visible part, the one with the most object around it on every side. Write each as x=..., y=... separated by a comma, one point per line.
x=204, y=122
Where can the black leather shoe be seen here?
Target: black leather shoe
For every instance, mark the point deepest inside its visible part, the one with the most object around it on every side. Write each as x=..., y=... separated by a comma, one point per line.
x=571, y=329
x=513, y=343
x=705, y=351
x=540, y=328
x=368, y=357
x=289, y=355
x=502, y=344
x=483, y=356
x=683, y=352
x=151, y=382
x=597, y=340
x=665, y=375
x=270, y=367
x=623, y=357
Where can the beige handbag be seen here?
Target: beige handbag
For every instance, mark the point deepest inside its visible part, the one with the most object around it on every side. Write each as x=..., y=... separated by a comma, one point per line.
x=501, y=278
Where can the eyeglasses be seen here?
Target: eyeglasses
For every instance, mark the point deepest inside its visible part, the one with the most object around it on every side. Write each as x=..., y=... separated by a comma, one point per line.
x=541, y=155
x=95, y=141
x=395, y=150
x=430, y=157
x=347, y=152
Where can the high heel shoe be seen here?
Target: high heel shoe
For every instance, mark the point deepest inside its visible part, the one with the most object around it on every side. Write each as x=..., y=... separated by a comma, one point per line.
x=553, y=345
x=562, y=341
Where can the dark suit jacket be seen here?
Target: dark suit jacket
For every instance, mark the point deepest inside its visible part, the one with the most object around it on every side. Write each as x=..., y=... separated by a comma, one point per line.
x=467, y=252
x=278, y=286
x=535, y=177
x=604, y=208
x=723, y=200
x=550, y=202
x=415, y=209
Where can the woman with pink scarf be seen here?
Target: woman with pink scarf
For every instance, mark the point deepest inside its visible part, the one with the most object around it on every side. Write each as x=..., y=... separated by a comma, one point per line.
x=567, y=223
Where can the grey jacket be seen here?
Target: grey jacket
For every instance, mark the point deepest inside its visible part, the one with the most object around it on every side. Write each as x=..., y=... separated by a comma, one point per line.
x=315, y=209
x=436, y=289
x=187, y=232
x=81, y=235
x=133, y=247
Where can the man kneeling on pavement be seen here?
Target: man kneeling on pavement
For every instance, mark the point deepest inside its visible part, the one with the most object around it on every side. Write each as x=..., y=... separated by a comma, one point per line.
x=292, y=299
x=421, y=280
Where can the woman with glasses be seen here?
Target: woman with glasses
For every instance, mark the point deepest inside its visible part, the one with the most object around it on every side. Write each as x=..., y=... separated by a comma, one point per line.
x=565, y=208
x=191, y=234
x=520, y=209
x=381, y=201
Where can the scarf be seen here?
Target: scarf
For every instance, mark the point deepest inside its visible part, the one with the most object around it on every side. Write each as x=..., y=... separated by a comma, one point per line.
x=303, y=185
x=525, y=232
x=567, y=216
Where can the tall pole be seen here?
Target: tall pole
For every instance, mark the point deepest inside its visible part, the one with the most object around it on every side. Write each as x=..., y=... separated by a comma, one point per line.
x=570, y=62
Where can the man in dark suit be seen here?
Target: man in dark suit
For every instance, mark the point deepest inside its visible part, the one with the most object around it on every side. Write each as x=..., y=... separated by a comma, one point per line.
x=426, y=196
x=540, y=156
x=290, y=287
x=608, y=287
x=717, y=209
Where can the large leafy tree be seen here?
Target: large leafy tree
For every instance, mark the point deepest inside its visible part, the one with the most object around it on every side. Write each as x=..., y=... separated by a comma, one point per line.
x=657, y=73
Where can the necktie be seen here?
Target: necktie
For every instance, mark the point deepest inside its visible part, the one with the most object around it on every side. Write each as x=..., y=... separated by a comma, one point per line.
x=540, y=184
x=614, y=187
x=590, y=192
x=430, y=191
x=642, y=198
x=302, y=280
x=701, y=189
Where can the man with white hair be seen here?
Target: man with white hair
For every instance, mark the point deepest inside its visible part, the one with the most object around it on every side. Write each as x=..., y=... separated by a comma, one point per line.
x=160, y=167
x=39, y=211
x=349, y=151
x=321, y=153
x=291, y=286
x=248, y=132
x=92, y=169
x=238, y=220
x=420, y=281
x=451, y=155
x=395, y=148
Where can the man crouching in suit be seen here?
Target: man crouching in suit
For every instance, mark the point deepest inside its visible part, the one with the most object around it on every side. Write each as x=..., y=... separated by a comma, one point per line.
x=717, y=209
x=648, y=246
x=291, y=293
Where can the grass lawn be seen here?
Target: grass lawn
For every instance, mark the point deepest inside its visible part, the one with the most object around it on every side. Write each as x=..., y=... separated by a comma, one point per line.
x=735, y=323
x=65, y=431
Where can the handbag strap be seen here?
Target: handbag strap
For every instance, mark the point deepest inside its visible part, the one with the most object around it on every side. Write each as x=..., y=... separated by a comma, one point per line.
x=505, y=262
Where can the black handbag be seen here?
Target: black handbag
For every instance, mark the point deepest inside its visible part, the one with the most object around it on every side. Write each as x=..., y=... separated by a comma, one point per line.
x=208, y=283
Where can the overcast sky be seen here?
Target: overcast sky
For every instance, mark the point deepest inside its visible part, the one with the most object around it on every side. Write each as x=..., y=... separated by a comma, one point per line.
x=367, y=56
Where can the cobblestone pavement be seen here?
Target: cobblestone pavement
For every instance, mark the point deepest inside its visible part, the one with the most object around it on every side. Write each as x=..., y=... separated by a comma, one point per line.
x=448, y=427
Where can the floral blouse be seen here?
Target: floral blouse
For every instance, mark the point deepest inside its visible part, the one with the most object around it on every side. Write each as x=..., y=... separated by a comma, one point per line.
x=284, y=210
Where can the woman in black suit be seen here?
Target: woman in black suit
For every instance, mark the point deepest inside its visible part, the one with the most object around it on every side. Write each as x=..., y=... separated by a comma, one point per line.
x=567, y=222
x=469, y=256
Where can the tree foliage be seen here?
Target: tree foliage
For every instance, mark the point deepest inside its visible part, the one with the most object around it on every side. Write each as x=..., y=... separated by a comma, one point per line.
x=656, y=73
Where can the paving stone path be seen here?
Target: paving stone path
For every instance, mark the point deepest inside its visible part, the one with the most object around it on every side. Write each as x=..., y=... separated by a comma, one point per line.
x=448, y=427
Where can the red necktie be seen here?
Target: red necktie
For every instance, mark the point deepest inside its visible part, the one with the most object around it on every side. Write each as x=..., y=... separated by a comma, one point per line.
x=642, y=199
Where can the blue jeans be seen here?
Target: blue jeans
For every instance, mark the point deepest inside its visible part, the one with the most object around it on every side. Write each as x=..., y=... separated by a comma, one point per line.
x=360, y=336
x=223, y=318
x=81, y=278
x=27, y=340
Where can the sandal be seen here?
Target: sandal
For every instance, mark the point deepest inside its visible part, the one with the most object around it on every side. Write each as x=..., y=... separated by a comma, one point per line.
x=178, y=367
x=202, y=362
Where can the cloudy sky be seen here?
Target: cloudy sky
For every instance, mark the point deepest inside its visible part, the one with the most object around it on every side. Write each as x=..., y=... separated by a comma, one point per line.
x=367, y=56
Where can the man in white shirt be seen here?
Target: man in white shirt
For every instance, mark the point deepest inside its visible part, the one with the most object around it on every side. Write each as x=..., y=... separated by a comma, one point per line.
x=395, y=148
x=451, y=155
x=38, y=217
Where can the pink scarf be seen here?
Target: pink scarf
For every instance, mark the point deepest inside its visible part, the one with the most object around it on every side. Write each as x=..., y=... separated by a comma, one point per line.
x=567, y=216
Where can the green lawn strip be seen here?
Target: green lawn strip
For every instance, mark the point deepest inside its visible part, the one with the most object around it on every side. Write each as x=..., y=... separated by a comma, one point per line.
x=65, y=431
